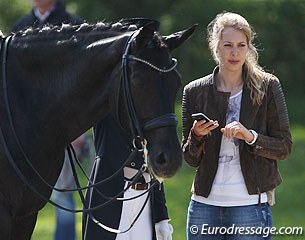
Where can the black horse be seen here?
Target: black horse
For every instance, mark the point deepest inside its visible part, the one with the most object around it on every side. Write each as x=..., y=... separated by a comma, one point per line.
x=57, y=82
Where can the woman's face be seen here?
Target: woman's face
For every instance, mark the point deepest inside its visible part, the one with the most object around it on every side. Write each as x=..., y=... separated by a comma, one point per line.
x=232, y=50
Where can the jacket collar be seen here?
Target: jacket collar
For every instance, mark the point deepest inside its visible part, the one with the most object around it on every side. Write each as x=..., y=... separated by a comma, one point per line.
x=248, y=111
x=221, y=99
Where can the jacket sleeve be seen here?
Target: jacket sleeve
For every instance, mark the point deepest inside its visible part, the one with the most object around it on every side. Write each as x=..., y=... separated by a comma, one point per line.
x=192, y=147
x=159, y=204
x=278, y=143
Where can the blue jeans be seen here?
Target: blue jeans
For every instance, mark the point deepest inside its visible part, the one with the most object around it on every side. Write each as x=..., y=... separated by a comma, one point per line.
x=65, y=221
x=228, y=223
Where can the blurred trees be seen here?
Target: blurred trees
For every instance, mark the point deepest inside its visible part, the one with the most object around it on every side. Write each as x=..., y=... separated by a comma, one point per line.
x=10, y=11
x=280, y=27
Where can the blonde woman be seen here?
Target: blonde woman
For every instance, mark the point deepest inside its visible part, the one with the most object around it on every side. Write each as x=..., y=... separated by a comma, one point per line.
x=236, y=152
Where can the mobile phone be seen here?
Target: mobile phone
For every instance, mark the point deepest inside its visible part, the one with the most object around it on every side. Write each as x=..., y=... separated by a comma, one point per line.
x=200, y=116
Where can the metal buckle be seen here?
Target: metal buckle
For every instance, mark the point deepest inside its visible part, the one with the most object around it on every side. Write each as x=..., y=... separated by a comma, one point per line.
x=140, y=186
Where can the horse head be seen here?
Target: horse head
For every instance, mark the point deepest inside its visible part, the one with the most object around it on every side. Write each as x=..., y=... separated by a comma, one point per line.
x=83, y=63
x=149, y=95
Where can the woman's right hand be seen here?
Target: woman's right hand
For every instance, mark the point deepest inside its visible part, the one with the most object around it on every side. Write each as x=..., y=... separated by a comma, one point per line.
x=202, y=127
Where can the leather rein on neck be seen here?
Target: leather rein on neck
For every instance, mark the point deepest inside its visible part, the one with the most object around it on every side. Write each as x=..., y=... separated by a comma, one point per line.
x=160, y=121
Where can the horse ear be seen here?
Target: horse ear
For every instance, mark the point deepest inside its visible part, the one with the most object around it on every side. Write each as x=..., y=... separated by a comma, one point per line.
x=174, y=40
x=146, y=33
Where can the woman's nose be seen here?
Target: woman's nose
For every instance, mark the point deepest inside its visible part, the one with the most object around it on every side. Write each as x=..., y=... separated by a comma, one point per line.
x=234, y=51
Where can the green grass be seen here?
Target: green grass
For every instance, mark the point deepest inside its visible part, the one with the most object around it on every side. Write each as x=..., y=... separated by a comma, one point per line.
x=288, y=211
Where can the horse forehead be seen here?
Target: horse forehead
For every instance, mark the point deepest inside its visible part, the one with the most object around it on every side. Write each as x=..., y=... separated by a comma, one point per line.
x=106, y=40
x=156, y=81
x=157, y=55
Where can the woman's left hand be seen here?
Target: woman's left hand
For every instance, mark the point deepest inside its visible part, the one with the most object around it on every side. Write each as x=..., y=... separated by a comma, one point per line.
x=237, y=130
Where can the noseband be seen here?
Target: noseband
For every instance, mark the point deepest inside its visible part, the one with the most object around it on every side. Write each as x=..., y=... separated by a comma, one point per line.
x=168, y=119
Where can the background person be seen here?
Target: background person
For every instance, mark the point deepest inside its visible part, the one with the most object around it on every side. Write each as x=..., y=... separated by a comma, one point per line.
x=113, y=146
x=237, y=151
x=65, y=221
x=46, y=12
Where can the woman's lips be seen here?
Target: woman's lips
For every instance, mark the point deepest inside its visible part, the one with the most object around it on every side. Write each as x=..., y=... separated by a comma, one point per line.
x=234, y=62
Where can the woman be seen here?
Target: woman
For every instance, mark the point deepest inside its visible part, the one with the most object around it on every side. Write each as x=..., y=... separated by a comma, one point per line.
x=236, y=152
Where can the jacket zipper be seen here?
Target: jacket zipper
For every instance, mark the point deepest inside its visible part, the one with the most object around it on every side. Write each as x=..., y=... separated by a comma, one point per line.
x=257, y=182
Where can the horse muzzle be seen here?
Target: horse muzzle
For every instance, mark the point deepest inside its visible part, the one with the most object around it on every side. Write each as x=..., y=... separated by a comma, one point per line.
x=164, y=151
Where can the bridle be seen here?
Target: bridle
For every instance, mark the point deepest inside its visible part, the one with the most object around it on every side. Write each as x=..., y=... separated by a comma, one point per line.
x=168, y=119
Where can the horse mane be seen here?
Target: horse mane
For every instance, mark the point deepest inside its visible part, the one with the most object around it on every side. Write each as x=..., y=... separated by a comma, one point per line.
x=47, y=30
x=66, y=30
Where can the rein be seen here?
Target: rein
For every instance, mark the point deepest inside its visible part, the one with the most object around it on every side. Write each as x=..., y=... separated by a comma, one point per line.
x=168, y=119
x=19, y=172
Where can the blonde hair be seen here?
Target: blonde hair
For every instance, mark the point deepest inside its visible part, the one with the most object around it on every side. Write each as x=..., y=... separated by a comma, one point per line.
x=253, y=72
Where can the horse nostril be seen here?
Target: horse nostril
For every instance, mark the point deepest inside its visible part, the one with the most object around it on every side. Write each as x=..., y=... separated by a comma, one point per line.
x=165, y=164
x=161, y=160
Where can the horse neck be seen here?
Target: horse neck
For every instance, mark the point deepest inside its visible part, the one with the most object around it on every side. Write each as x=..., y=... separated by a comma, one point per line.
x=65, y=87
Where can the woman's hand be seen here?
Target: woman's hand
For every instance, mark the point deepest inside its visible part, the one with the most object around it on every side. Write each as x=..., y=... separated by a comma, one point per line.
x=237, y=130
x=202, y=127
x=164, y=230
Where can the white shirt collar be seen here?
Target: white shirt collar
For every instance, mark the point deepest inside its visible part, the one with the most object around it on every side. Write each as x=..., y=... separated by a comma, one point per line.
x=42, y=17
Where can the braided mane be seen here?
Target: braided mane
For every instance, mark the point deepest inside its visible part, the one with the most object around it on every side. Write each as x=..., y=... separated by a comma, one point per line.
x=66, y=31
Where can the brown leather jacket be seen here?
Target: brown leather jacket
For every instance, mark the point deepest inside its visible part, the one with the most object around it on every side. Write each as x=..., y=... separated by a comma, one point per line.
x=258, y=161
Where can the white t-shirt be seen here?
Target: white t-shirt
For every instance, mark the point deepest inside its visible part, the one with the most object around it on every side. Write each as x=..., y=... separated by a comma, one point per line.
x=229, y=188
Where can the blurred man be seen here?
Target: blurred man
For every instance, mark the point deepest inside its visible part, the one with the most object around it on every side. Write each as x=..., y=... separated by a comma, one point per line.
x=65, y=221
x=46, y=12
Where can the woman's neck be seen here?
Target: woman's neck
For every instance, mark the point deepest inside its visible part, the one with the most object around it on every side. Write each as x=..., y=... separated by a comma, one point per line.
x=229, y=82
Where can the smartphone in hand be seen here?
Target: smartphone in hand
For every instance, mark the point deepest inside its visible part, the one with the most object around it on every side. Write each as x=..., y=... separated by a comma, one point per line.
x=200, y=116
